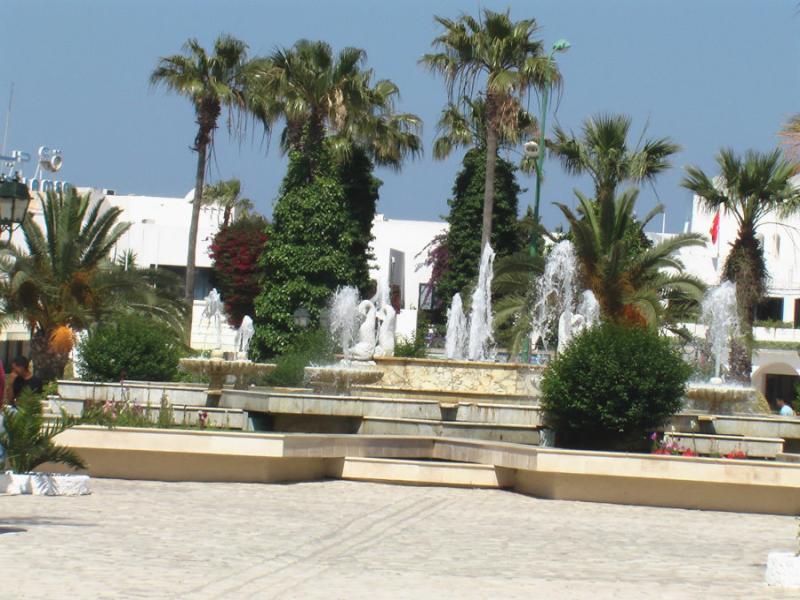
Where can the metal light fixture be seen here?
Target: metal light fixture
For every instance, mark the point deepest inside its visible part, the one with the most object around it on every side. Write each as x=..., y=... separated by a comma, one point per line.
x=302, y=317
x=14, y=201
x=561, y=45
x=531, y=148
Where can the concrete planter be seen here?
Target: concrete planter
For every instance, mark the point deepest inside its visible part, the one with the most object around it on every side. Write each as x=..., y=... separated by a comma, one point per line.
x=44, y=484
x=783, y=569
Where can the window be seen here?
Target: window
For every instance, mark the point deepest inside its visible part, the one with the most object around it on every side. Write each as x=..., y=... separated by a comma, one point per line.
x=770, y=309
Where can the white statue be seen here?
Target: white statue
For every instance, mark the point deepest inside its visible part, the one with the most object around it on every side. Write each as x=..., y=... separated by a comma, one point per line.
x=212, y=314
x=243, y=336
x=365, y=347
x=386, y=331
x=569, y=325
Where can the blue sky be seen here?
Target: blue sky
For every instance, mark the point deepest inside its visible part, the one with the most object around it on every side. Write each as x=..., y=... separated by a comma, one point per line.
x=709, y=73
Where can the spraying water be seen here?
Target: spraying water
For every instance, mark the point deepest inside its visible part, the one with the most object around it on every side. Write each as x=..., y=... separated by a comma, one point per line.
x=720, y=314
x=589, y=309
x=480, y=321
x=381, y=297
x=344, y=317
x=455, y=344
x=556, y=289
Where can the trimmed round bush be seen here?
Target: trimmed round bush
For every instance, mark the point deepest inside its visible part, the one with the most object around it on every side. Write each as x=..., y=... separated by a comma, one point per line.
x=134, y=347
x=613, y=386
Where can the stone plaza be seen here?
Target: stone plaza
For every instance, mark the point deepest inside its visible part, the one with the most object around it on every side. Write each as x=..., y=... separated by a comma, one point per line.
x=345, y=540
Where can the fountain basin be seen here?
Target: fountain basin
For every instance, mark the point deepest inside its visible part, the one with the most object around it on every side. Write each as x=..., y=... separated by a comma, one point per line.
x=725, y=399
x=217, y=370
x=340, y=378
x=512, y=379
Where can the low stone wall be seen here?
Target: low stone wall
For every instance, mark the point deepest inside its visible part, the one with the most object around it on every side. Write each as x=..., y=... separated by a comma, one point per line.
x=667, y=481
x=423, y=374
x=138, y=392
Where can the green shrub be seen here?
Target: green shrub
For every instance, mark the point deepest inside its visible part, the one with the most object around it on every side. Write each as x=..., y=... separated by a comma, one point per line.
x=134, y=347
x=313, y=347
x=612, y=386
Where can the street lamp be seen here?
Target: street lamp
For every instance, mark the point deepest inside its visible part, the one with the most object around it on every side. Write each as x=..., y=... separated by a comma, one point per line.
x=536, y=148
x=14, y=201
x=302, y=317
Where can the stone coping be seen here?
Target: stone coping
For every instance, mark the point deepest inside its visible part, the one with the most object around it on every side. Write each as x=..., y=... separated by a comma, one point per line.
x=466, y=424
x=747, y=418
x=725, y=437
x=443, y=362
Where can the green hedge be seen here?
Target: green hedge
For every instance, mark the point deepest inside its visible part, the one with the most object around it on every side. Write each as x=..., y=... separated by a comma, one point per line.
x=613, y=386
x=134, y=347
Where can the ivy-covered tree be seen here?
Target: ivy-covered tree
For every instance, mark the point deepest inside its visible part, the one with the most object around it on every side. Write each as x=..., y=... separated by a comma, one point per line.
x=235, y=252
x=463, y=241
x=308, y=254
x=361, y=194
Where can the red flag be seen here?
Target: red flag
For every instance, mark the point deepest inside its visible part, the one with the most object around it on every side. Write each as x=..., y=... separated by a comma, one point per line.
x=715, y=228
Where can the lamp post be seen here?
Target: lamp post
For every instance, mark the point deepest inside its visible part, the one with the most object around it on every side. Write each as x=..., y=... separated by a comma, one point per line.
x=536, y=149
x=14, y=201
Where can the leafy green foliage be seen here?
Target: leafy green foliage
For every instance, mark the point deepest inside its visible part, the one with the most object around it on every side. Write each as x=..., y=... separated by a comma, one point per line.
x=308, y=254
x=466, y=208
x=28, y=439
x=631, y=284
x=132, y=347
x=235, y=252
x=63, y=280
x=612, y=386
x=310, y=347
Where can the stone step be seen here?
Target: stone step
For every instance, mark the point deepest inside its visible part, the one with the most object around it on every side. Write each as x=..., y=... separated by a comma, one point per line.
x=710, y=444
x=445, y=396
x=265, y=401
x=497, y=432
x=787, y=457
x=775, y=427
x=427, y=472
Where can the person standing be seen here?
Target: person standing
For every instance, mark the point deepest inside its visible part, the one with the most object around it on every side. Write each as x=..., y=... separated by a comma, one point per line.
x=784, y=408
x=23, y=378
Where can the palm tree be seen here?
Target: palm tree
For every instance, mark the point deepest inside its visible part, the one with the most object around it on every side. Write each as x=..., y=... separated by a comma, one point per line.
x=64, y=282
x=28, y=439
x=227, y=194
x=463, y=124
x=630, y=287
x=502, y=56
x=748, y=188
x=210, y=82
x=325, y=97
x=602, y=151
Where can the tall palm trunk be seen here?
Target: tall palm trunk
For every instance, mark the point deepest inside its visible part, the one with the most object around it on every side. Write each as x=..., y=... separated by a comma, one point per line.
x=48, y=364
x=207, y=113
x=491, y=165
x=746, y=267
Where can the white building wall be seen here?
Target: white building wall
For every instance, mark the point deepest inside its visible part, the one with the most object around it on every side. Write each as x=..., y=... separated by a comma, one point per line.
x=399, y=250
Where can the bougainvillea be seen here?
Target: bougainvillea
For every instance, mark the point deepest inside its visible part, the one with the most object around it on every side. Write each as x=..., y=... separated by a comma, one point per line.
x=236, y=250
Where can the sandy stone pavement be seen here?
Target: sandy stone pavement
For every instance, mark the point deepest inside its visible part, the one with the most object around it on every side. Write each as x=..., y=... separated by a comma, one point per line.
x=345, y=540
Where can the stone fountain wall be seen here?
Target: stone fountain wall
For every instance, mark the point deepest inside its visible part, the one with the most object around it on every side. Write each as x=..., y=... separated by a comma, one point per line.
x=460, y=376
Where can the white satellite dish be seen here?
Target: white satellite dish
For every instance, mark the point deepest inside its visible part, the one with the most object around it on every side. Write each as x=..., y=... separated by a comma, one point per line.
x=50, y=159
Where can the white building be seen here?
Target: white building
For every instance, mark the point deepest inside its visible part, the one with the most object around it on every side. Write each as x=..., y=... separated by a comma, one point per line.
x=399, y=248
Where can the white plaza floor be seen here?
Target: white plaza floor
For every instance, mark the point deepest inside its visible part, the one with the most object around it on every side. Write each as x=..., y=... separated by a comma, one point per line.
x=346, y=540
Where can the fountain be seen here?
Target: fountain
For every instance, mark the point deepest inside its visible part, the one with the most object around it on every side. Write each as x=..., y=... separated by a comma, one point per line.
x=455, y=347
x=217, y=368
x=480, y=318
x=555, y=299
x=350, y=318
x=721, y=317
